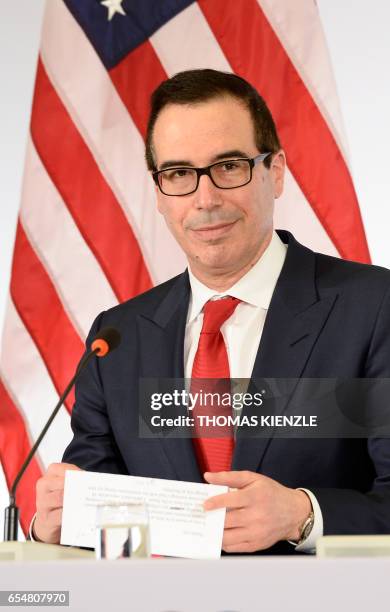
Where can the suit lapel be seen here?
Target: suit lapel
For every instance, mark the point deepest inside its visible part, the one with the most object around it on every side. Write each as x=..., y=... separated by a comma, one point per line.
x=294, y=321
x=162, y=357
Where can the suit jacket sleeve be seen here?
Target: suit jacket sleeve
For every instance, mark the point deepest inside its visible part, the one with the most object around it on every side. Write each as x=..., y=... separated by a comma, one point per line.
x=352, y=512
x=93, y=446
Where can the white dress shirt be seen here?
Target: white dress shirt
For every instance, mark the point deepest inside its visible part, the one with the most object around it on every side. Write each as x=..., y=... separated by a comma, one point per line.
x=242, y=331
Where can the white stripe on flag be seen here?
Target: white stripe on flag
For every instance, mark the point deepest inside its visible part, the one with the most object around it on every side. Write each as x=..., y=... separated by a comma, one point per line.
x=186, y=42
x=292, y=212
x=27, y=380
x=298, y=27
x=118, y=150
x=77, y=276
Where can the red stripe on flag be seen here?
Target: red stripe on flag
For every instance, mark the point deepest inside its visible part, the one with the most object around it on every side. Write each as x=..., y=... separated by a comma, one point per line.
x=14, y=448
x=43, y=315
x=255, y=52
x=91, y=202
x=135, y=78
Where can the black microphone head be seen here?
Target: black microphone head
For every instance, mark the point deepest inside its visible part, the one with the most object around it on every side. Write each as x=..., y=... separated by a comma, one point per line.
x=105, y=341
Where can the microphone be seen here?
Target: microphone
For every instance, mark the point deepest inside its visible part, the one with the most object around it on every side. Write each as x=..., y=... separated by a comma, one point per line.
x=105, y=341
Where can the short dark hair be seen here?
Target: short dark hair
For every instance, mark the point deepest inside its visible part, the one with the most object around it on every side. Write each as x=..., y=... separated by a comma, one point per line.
x=194, y=86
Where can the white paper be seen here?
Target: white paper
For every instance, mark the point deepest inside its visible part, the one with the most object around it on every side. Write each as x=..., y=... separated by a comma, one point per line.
x=179, y=527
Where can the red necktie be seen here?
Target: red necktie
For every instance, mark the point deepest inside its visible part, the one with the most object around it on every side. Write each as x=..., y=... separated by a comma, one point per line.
x=211, y=362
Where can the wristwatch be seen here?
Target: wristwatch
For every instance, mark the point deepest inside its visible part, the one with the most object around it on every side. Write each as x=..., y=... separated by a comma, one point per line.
x=305, y=530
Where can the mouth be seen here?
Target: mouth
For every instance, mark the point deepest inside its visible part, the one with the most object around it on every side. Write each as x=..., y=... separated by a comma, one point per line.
x=213, y=232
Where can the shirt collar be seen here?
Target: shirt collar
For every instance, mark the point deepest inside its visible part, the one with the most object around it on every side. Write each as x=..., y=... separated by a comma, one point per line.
x=255, y=287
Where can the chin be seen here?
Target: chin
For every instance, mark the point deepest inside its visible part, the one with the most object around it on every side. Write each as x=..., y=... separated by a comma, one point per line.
x=217, y=255
x=216, y=265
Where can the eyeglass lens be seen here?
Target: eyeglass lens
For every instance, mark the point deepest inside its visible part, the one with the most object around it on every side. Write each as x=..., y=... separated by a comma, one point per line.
x=226, y=175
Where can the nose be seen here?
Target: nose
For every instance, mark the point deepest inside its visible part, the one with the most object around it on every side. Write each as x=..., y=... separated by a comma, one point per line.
x=207, y=195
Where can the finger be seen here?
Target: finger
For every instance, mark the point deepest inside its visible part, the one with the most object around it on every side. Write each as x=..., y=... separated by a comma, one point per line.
x=236, y=480
x=47, y=484
x=51, y=520
x=58, y=469
x=233, y=537
x=51, y=501
x=243, y=547
x=235, y=518
x=47, y=526
x=54, y=477
x=54, y=517
x=231, y=500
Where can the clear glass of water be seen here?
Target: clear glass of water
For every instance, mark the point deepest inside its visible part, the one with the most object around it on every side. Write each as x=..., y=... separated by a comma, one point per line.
x=122, y=531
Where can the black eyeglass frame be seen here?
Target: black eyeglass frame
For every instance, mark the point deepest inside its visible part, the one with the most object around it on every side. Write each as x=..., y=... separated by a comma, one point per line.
x=207, y=170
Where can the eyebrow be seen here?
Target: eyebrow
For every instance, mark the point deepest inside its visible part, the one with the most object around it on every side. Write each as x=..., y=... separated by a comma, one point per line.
x=175, y=163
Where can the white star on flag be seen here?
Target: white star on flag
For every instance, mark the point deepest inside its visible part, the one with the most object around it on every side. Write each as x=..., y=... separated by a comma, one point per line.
x=113, y=6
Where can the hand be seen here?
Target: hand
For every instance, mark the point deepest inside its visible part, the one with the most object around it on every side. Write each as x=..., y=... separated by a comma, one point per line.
x=50, y=495
x=260, y=511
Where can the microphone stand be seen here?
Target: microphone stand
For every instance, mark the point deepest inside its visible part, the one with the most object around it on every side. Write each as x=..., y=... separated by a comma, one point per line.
x=11, y=514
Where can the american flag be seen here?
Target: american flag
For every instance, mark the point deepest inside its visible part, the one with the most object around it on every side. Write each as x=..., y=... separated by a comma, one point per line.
x=89, y=235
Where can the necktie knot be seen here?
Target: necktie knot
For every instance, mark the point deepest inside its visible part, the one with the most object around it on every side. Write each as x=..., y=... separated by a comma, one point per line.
x=216, y=312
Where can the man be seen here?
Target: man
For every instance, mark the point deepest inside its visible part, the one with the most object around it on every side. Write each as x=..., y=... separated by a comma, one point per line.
x=218, y=166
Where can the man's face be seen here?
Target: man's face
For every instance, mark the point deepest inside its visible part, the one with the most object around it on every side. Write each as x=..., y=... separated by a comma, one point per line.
x=222, y=231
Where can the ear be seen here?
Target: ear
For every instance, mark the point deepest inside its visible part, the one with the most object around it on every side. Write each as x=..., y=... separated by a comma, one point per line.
x=277, y=169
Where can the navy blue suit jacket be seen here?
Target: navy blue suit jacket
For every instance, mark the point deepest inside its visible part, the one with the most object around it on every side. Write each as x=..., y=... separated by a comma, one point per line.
x=327, y=318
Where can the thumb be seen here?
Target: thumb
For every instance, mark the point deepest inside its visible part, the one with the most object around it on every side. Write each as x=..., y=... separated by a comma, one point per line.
x=235, y=480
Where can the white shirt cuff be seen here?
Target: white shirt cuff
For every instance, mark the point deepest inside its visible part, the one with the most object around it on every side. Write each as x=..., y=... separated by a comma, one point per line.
x=30, y=531
x=309, y=545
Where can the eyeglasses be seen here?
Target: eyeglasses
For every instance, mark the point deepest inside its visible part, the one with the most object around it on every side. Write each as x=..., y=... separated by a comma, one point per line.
x=227, y=174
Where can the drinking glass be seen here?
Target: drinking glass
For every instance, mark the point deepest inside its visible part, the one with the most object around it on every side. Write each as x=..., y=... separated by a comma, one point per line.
x=122, y=531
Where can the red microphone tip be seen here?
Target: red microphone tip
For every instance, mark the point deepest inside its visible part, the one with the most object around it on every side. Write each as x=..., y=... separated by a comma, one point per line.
x=101, y=346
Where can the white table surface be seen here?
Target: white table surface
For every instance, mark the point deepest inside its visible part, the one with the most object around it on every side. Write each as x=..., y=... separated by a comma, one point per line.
x=239, y=584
